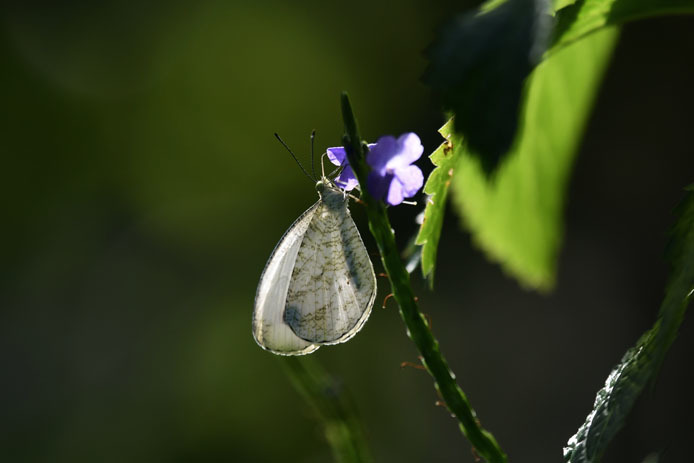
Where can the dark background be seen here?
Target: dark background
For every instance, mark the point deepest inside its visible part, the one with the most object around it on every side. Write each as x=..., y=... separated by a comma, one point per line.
x=142, y=192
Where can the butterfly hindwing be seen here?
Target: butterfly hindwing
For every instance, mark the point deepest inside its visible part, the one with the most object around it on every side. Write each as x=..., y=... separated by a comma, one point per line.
x=333, y=284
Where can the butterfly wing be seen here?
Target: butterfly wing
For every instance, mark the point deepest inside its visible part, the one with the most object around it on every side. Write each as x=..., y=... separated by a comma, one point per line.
x=269, y=329
x=333, y=284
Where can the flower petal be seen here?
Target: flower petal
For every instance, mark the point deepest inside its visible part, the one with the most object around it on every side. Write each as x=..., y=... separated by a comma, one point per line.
x=381, y=153
x=395, y=193
x=337, y=155
x=347, y=180
x=409, y=149
x=411, y=178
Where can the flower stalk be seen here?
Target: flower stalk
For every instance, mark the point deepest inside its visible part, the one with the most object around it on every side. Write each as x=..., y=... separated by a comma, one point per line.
x=417, y=326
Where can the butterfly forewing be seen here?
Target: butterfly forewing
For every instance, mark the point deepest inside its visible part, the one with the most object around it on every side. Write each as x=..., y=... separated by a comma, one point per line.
x=269, y=329
x=333, y=284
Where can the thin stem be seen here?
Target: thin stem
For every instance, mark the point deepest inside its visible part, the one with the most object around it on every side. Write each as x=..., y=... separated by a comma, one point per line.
x=333, y=407
x=417, y=326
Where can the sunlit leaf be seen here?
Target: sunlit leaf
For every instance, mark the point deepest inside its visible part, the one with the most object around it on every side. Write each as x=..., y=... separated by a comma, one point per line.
x=641, y=363
x=586, y=16
x=438, y=183
x=478, y=65
x=516, y=215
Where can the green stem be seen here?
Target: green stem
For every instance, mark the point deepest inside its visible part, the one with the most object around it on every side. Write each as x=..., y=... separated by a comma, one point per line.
x=333, y=407
x=417, y=326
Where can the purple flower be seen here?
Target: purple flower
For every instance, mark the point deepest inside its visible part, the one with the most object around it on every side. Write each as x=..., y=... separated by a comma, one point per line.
x=347, y=180
x=392, y=177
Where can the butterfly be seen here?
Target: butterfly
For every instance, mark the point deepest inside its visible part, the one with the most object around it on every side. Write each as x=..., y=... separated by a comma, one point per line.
x=319, y=286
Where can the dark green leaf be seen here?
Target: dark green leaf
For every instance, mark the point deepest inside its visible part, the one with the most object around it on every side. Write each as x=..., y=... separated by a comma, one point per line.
x=516, y=216
x=641, y=363
x=586, y=16
x=478, y=66
x=444, y=158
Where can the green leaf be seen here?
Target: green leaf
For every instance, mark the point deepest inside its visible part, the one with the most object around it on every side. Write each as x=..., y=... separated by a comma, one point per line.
x=641, y=363
x=478, y=65
x=680, y=253
x=516, y=216
x=586, y=16
x=445, y=159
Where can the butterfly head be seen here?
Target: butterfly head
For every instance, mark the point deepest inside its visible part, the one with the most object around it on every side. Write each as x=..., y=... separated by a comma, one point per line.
x=325, y=184
x=330, y=194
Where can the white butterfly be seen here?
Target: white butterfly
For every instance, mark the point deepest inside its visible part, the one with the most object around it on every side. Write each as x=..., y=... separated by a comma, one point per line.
x=318, y=286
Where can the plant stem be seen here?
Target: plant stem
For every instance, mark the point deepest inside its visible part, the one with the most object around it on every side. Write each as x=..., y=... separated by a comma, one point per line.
x=333, y=407
x=417, y=326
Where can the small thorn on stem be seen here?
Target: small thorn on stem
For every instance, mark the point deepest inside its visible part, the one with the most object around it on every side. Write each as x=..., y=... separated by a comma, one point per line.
x=384, y=275
x=383, y=306
x=428, y=318
x=441, y=403
x=474, y=454
x=412, y=365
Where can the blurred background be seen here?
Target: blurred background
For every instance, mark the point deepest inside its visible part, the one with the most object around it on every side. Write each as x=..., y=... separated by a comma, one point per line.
x=142, y=192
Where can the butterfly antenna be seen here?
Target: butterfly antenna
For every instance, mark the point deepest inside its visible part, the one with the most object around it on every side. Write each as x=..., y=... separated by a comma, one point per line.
x=295, y=158
x=313, y=139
